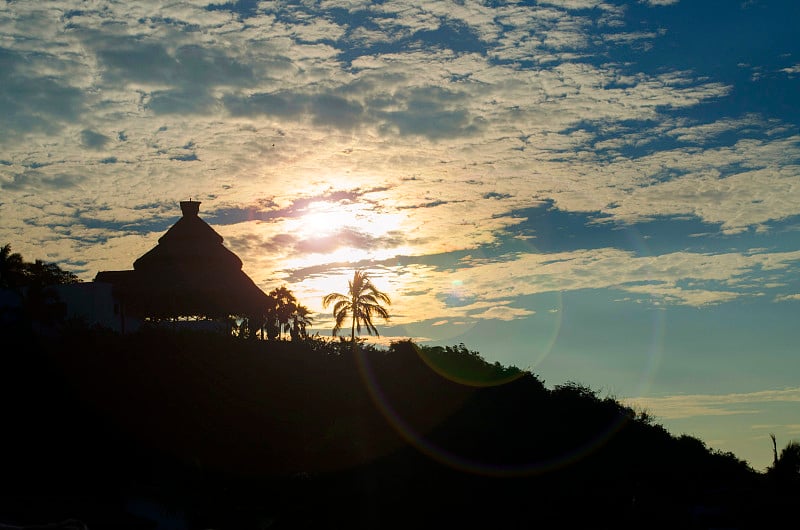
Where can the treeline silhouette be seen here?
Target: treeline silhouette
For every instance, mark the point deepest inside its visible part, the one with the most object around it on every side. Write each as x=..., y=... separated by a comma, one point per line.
x=27, y=293
x=17, y=273
x=211, y=431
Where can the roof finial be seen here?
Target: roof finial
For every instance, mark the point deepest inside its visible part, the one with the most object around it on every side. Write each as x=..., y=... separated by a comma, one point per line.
x=190, y=208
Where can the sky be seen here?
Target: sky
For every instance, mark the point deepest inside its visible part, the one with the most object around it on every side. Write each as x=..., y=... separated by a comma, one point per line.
x=602, y=192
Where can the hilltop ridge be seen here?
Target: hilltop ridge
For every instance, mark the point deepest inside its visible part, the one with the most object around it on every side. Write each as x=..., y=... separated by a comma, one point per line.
x=227, y=431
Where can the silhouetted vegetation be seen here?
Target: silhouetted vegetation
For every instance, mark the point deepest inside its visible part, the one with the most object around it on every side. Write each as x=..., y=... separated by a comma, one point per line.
x=283, y=315
x=16, y=273
x=216, y=432
x=28, y=289
x=286, y=315
x=362, y=301
x=785, y=470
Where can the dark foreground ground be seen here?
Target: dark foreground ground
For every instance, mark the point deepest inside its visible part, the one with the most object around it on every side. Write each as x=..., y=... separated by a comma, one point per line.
x=172, y=430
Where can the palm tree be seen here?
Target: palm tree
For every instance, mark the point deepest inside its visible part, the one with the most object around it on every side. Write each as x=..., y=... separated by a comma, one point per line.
x=279, y=313
x=301, y=318
x=361, y=303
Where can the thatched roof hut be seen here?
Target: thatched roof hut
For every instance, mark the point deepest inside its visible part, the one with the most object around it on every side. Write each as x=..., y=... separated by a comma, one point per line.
x=189, y=273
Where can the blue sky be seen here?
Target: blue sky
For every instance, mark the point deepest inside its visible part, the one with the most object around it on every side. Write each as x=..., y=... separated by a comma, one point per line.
x=604, y=192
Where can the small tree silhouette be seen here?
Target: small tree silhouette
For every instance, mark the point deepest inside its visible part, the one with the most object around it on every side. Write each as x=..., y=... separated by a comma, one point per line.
x=34, y=282
x=786, y=468
x=12, y=268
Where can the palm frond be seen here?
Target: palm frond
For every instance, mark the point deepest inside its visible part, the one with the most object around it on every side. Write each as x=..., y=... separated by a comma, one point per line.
x=333, y=297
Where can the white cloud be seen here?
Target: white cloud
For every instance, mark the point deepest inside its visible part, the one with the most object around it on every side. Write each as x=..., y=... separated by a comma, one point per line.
x=704, y=132
x=792, y=70
x=735, y=201
x=659, y=2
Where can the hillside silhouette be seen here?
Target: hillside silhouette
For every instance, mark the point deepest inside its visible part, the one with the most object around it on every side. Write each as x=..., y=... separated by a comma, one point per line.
x=175, y=429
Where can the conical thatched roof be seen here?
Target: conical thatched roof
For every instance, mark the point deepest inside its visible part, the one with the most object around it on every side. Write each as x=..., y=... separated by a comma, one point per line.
x=188, y=241
x=189, y=273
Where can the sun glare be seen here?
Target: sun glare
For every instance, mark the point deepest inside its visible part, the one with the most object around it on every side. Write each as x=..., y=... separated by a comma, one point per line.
x=339, y=237
x=323, y=219
x=333, y=232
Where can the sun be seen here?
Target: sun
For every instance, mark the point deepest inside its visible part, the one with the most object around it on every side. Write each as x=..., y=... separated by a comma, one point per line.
x=324, y=218
x=347, y=232
x=321, y=218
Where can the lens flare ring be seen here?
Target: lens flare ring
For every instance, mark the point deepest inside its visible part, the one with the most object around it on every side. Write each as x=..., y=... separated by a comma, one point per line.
x=461, y=463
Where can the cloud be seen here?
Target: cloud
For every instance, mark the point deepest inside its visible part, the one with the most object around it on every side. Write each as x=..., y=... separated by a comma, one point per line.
x=275, y=105
x=705, y=133
x=787, y=298
x=489, y=289
x=503, y=312
x=35, y=180
x=243, y=8
x=659, y=2
x=429, y=112
x=428, y=128
x=792, y=70
x=746, y=198
x=93, y=140
x=135, y=60
x=180, y=101
x=189, y=157
x=698, y=405
x=579, y=4
x=32, y=100
x=336, y=111
x=346, y=237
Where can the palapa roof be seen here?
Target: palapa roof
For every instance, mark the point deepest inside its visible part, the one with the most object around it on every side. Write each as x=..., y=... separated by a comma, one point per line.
x=189, y=273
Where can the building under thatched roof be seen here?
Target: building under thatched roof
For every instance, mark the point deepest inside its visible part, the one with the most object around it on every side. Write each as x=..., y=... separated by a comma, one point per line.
x=189, y=273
